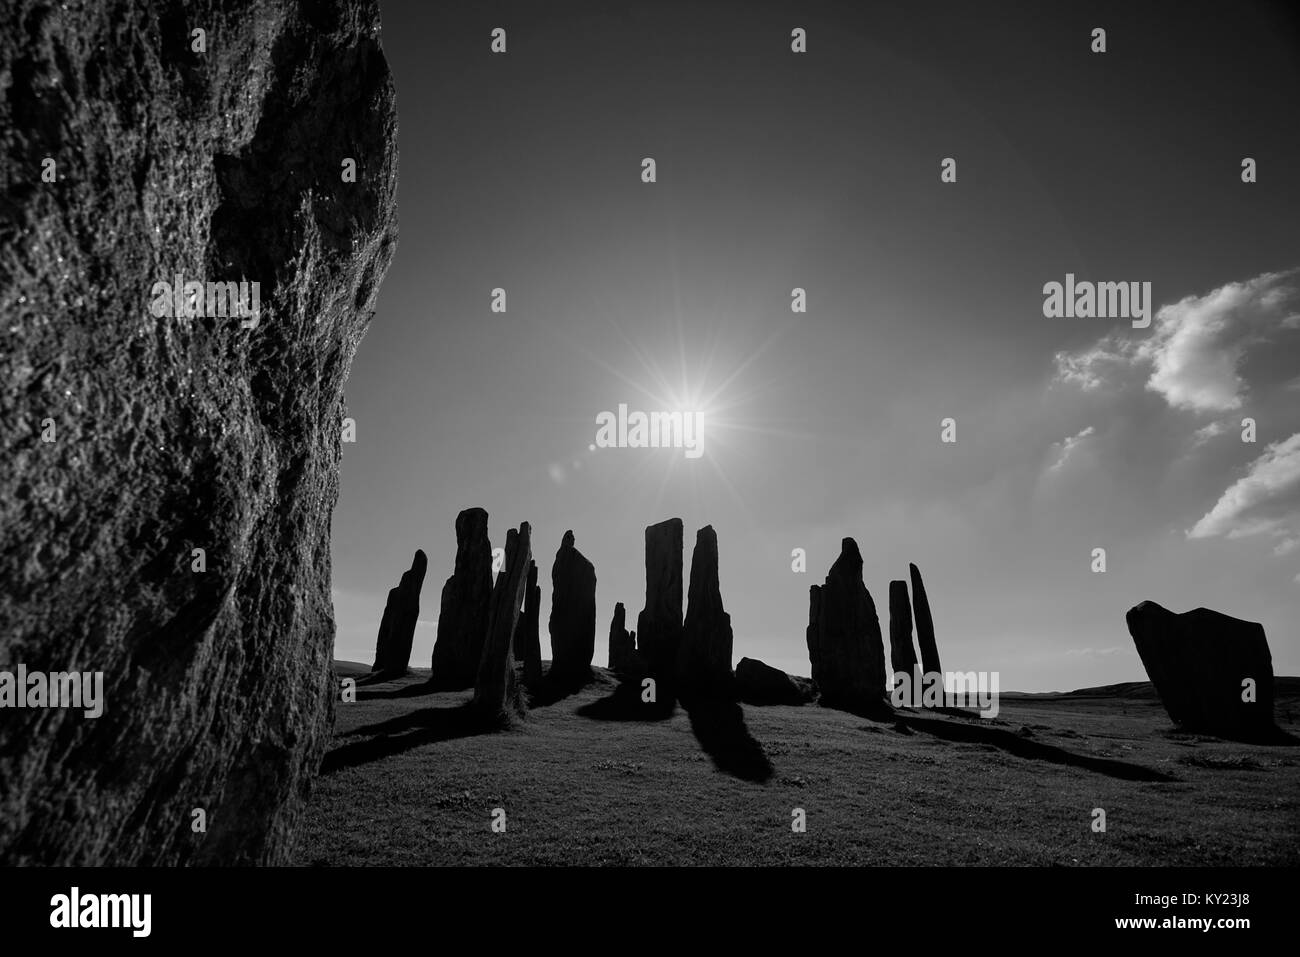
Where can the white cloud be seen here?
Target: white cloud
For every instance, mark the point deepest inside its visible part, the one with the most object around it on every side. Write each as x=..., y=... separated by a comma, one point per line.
x=1067, y=446
x=1207, y=432
x=1266, y=500
x=1193, y=355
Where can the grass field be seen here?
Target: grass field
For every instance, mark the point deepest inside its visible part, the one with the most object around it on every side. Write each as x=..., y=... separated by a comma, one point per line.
x=409, y=785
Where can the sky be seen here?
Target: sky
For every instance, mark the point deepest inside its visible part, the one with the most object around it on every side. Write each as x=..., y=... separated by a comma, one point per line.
x=925, y=301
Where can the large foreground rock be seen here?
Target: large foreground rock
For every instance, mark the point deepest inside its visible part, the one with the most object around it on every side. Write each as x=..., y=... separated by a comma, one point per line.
x=704, y=656
x=1199, y=662
x=497, y=697
x=463, y=613
x=924, y=623
x=659, y=626
x=759, y=683
x=573, y=616
x=130, y=440
x=397, y=626
x=844, y=643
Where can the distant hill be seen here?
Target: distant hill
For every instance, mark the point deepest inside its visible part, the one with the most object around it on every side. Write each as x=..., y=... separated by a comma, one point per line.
x=1285, y=688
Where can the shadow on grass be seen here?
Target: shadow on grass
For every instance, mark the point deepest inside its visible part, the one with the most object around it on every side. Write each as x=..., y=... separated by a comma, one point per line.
x=417, y=690
x=719, y=726
x=427, y=726
x=555, y=688
x=625, y=704
x=1013, y=743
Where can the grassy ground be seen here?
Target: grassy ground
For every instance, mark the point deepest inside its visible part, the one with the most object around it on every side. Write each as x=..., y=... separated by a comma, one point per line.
x=581, y=791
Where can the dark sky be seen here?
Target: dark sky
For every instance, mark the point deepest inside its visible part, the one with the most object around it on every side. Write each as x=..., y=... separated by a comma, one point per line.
x=821, y=170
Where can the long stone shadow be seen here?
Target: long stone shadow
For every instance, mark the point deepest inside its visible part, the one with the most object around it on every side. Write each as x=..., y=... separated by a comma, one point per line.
x=719, y=726
x=417, y=690
x=625, y=704
x=553, y=690
x=1033, y=750
x=427, y=726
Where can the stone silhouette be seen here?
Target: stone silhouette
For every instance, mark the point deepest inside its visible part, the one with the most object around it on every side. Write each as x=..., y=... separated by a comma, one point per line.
x=623, y=656
x=397, y=626
x=466, y=597
x=761, y=684
x=573, y=616
x=528, y=644
x=1203, y=663
x=704, y=655
x=220, y=434
x=902, y=653
x=659, y=626
x=844, y=643
x=497, y=697
x=924, y=624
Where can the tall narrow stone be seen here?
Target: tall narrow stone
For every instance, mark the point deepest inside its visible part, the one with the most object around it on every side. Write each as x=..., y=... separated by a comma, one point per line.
x=659, y=626
x=902, y=652
x=704, y=658
x=573, y=616
x=397, y=626
x=623, y=657
x=497, y=695
x=844, y=642
x=924, y=624
x=463, y=615
x=527, y=645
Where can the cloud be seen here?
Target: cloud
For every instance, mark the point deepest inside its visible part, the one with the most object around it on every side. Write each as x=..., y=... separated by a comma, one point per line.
x=1067, y=446
x=1265, y=501
x=1207, y=432
x=1194, y=353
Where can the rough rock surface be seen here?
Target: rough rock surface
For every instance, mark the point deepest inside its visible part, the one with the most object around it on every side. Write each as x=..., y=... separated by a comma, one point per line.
x=924, y=623
x=573, y=616
x=528, y=643
x=659, y=626
x=130, y=439
x=759, y=683
x=902, y=653
x=624, y=659
x=1198, y=662
x=397, y=626
x=844, y=643
x=704, y=656
x=463, y=613
x=497, y=697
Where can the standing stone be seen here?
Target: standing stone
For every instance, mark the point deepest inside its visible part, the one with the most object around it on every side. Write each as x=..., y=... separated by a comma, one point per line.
x=844, y=643
x=902, y=653
x=623, y=657
x=397, y=627
x=222, y=434
x=1201, y=663
x=497, y=697
x=527, y=645
x=924, y=624
x=463, y=616
x=704, y=657
x=573, y=616
x=659, y=626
